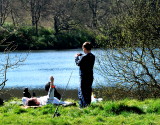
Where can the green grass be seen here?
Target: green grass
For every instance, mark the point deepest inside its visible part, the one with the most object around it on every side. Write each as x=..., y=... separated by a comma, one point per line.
x=123, y=112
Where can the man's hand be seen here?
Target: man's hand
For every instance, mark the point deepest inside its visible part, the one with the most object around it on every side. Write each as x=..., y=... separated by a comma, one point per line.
x=78, y=54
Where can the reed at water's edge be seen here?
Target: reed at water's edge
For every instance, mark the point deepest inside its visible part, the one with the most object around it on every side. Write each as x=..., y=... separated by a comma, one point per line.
x=9, y=93
x=107, y=93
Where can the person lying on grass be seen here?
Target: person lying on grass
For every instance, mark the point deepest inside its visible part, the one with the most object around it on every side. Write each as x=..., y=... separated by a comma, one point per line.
x=44, y=100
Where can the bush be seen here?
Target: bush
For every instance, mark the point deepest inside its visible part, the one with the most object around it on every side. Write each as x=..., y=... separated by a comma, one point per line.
x=26, y=38
x=73, y=39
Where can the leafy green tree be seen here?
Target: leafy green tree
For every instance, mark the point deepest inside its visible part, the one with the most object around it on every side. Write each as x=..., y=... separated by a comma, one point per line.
x=131, y=54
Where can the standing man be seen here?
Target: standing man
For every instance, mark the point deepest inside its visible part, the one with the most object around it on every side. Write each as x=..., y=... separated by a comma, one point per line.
x=85, y=63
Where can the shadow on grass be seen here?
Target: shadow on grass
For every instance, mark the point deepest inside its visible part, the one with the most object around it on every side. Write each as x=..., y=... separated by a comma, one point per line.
x=123, y=108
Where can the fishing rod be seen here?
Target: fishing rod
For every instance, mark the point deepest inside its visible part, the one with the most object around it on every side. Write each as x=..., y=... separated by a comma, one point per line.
x=56, y=113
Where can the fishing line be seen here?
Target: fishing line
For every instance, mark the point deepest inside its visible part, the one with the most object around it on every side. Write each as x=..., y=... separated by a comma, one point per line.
x=56, y=111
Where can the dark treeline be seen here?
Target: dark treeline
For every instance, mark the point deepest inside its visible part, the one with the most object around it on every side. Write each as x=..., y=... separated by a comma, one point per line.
x=62, y=24
x=25, y=38
x=51, y=24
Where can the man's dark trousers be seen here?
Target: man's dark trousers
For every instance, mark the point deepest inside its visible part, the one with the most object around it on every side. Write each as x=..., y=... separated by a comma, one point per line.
x=85, y=91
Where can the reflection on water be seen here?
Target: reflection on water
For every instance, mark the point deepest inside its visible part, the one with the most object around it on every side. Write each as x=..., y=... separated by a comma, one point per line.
x=40, y=65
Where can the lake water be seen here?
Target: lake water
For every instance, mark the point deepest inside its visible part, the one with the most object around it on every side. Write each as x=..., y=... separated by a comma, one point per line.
x=40, y=65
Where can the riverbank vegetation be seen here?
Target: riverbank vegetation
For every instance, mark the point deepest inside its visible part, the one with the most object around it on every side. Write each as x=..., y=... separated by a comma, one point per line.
x=107, y=93
x=129, y=112
x=25, y=38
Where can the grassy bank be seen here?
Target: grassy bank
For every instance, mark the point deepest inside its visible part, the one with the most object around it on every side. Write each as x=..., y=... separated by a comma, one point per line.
x=123, y=112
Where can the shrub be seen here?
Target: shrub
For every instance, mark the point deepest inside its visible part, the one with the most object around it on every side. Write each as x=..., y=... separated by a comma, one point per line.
x=26, y=38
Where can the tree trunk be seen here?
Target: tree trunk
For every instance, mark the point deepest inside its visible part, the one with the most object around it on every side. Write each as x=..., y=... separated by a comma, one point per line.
x=56, y=25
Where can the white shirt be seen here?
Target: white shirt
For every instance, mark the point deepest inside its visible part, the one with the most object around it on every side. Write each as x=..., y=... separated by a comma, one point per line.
x=48, y=99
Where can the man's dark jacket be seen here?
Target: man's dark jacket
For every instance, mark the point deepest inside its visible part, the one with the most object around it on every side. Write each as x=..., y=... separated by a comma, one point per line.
x=86, y=63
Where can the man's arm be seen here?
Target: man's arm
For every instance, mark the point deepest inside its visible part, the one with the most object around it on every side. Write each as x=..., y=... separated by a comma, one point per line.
x=79, y=60
x=51, y=89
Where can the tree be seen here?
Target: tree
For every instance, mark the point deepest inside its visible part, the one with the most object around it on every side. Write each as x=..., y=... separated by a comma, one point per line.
x=132, y=59
x=8, y=59
x=35, y=7
x=63, y=13
x=4, y=10
x=94, y=7
x=17, y=13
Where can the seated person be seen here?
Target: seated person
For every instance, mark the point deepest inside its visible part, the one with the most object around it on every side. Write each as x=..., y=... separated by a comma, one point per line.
x=26, y=93
x=49, y=99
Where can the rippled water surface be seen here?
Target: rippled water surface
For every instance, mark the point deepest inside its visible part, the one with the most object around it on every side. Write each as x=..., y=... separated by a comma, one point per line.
x=40, y=65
